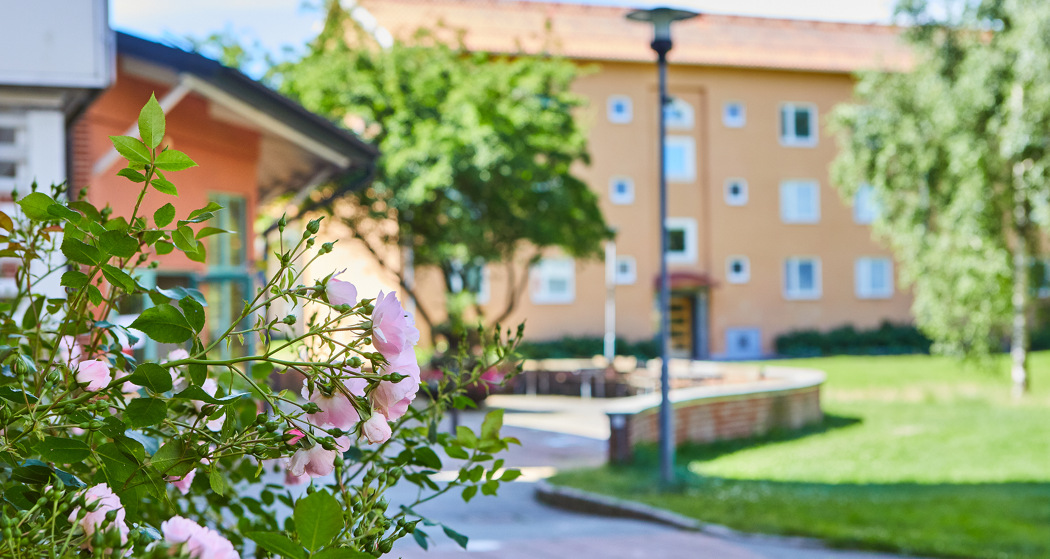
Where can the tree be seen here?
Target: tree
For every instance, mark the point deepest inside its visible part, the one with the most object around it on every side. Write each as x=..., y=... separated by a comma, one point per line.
x=477, y=157
x=957, y=152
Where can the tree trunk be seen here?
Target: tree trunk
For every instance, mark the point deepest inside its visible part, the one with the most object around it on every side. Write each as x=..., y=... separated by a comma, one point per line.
x=1019, y=335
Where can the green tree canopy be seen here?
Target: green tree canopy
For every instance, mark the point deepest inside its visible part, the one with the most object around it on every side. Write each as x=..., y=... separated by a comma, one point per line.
x=477, y=150
x=956, y=151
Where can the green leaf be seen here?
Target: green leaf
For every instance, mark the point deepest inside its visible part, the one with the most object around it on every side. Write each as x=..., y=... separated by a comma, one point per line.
x=164, y=323
x=426, y=457
x=510, y=475
x=35, y=205
x=32, y=473
x=62, y=212
x=80, y=252
x=466, y=437
x=175, y=458
x=74, y=279
x=456, y=536
x=469, y=492
x=119, y=243
x=94, y=295
x=131, y=174
x=492, y=424
x=209, y=231
x=144, y=412
x=151, y=122
x=164, y=215
x=17, y=396
x=318, y=519
x=183, y=238
x=217, y=482
x=164, y=186
x=130, y=447
x=173, y=160
x=198, y=393
x=421, y=538
x=278, y=544
x=131, y=149
x=164, y=247
x=489, y=487
x=456, y=452
x=212, y=207
x=194, y=312
x=152, y=376
x=62, y=450
x=118, y=278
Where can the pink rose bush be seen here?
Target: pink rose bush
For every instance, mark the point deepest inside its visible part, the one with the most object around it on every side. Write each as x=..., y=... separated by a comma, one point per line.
x=173, y=432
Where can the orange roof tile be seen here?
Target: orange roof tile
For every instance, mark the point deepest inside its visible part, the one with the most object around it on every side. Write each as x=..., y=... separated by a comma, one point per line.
x=603, y=33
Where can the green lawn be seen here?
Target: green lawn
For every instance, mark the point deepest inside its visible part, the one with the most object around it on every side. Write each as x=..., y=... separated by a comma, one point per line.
x=918, y=454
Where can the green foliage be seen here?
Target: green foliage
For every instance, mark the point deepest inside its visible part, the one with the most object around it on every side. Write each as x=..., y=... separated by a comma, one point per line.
x=887, y=339
x=956, y=150
x=478, y=152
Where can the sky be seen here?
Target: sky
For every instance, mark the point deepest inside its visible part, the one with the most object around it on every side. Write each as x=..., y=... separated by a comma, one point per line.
x=276, y=24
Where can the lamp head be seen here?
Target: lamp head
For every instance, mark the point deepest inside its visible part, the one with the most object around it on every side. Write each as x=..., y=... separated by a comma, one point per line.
x=661, y=18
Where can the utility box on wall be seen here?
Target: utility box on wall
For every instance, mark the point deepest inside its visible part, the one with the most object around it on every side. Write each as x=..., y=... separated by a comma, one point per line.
x=56, y=43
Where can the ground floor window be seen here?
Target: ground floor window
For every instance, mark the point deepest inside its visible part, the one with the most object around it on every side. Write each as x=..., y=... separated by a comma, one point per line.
x=802, y=278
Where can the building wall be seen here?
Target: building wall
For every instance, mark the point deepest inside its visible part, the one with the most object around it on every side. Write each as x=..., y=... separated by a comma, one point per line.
x=227, y=157
x=755, y=230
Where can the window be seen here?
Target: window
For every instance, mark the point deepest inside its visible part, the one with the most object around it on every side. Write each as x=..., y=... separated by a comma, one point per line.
x=736, y=192
x=680, y=158
x=12, y=150
x=227, y=283
x=619, y=110
x=554, y=281
x=865, y=208
x=798, y=124
x=802, y=278
x=743, y=343
x=626, y=270
x=738, y=269
x=681, y=240
x=621, y=190
x=734, y=115
x=678, y=114
x=799, y=201
x=873, y=278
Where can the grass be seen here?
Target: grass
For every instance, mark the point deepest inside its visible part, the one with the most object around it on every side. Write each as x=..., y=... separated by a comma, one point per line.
x=918, y=454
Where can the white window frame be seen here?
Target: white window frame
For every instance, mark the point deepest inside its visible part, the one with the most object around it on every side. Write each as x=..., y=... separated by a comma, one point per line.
x=787, y=132
x=791, y=276
x=789, y=201
x=744, y=275
x=738, y=199
x=626, y=270
x=619, y=118
x=863, y=276
x=688, y=146
x=621, y=199
x=16, y=153
x=685, y=109
x=548, y=269
x=689, y=254
x=730, y=121
x=865, y=207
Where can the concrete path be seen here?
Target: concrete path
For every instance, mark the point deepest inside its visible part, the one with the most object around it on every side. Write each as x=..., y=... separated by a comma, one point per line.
x=558, y=433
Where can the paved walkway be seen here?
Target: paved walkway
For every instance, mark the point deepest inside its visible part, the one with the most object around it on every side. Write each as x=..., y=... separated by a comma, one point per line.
x=558, y=433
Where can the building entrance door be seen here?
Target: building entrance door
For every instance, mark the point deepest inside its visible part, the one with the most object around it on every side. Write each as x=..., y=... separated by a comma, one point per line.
x=683, y=317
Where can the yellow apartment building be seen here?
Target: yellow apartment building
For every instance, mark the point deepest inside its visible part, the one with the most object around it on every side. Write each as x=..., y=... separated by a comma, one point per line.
x=760, y=241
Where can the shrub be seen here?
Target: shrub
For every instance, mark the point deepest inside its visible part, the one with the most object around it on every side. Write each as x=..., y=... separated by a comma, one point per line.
x=887, y=339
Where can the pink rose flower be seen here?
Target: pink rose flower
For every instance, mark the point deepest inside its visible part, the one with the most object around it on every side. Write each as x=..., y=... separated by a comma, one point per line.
x=178, y=383
x=376, y=429
x=69, y=350
x=336, y=410
x=393, y=399
x=93, y=521
x=393, y=329
x=296, y=435
x=182, y=483
x=199, y=542
x=94, y=373
x=340, y=292
x=316, y=461
x=130, y=389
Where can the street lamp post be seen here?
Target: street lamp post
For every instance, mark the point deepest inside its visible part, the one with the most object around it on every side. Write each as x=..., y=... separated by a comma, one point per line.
x=661, y=19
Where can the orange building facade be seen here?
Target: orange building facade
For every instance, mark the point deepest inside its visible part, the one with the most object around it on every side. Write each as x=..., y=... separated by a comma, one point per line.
x=761, y=243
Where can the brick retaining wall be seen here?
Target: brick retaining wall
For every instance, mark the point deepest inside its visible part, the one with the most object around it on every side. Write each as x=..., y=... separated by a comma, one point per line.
x=785, y=398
